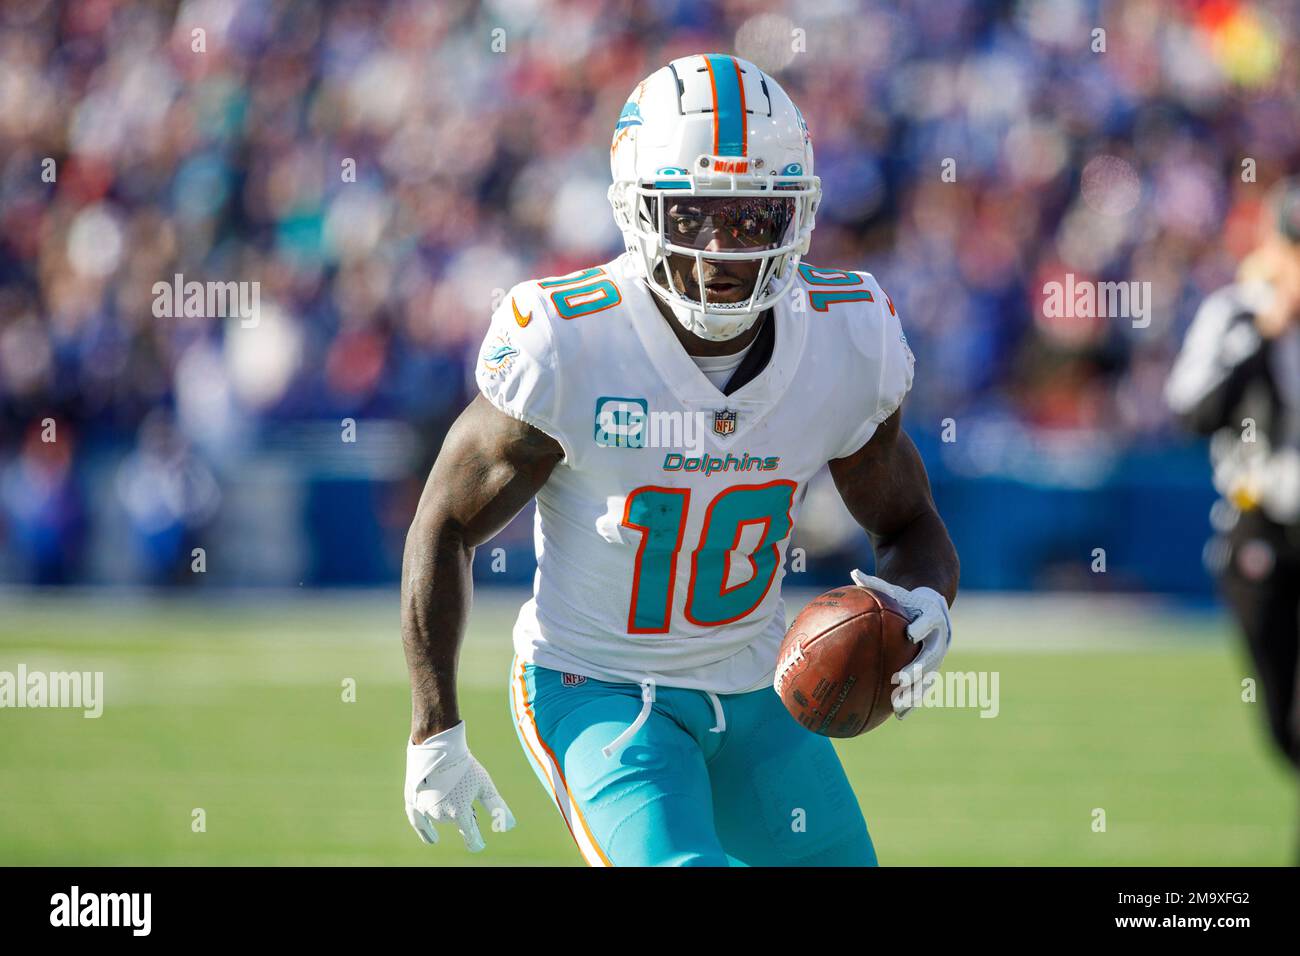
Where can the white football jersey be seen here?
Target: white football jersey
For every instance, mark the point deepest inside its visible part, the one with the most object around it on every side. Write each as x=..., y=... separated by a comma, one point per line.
x=661, y=537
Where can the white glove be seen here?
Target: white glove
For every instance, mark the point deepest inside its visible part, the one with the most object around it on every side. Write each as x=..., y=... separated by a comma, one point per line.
x=442, y=782
x=931, y=627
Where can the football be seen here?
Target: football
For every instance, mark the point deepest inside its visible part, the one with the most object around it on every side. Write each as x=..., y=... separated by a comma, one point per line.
x=838, y=657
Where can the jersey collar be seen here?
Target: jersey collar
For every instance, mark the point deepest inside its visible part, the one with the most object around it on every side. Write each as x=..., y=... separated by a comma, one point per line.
x=690, y=385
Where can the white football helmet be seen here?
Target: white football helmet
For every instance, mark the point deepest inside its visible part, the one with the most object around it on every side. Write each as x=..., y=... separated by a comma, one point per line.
x=714, y=126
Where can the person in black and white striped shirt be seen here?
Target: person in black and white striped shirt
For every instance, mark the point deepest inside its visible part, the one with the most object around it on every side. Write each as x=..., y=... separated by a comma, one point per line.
x=1237, y=379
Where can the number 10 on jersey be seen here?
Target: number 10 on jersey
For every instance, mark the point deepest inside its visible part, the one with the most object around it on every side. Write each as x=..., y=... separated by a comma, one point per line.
x=659, y=514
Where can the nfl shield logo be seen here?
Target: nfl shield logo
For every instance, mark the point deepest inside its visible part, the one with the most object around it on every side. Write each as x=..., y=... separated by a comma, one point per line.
x=724, y=422
x=572, y=680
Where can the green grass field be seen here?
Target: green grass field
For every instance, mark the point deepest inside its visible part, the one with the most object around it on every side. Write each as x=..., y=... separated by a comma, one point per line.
x=235, y=706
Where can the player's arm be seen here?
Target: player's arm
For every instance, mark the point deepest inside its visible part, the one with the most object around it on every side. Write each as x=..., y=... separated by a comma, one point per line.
x=887, y=491
x=490, y=466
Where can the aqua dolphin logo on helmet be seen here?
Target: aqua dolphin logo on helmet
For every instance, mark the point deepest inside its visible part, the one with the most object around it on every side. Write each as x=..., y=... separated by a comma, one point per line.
x=712, y=126
x=631, y=116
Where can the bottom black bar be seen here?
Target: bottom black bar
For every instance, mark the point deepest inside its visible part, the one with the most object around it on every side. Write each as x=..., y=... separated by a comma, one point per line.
x=332, y=905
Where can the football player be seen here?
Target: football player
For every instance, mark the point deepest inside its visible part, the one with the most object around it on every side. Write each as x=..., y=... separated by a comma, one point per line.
x=667, y=410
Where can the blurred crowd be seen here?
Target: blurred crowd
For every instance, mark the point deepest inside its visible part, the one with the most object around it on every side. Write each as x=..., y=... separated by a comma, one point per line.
x=384, y=170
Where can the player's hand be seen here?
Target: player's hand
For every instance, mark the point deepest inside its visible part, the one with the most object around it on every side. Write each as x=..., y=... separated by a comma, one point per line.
x=442, y=782
x=931, y=627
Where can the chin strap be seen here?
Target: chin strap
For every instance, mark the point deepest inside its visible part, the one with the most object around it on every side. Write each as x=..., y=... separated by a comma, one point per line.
x=694, y=321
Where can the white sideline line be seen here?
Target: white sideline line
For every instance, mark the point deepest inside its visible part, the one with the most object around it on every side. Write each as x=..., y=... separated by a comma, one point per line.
x=1029, y=623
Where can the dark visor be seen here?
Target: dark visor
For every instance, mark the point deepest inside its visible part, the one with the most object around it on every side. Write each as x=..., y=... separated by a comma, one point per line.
x=748, y=222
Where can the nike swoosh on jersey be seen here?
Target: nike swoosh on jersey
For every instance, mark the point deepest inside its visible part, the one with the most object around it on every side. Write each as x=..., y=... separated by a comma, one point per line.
x=520, y=318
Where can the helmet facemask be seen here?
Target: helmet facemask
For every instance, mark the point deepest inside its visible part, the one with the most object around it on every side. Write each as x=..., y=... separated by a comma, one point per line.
x=768, y=219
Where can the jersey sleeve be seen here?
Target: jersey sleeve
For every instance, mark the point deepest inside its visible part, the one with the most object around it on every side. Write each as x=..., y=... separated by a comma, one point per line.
x=518, y=369
x=885, y=362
